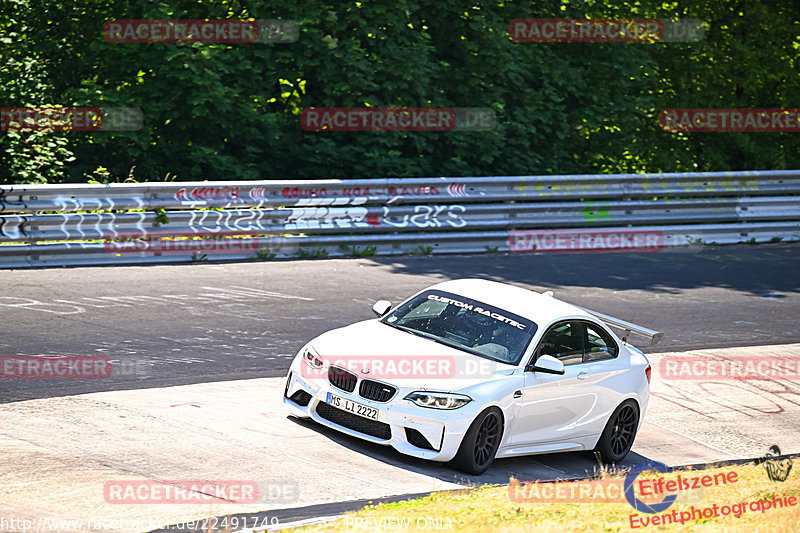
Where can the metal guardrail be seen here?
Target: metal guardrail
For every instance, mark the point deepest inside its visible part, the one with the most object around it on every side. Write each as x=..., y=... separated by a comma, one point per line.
x=86, y=224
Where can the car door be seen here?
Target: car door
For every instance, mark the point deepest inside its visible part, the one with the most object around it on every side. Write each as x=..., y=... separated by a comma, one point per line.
x=604, y=373
x=563, y=407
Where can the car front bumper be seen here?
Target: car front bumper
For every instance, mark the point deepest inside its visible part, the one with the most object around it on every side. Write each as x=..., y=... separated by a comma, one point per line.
x=433, y=434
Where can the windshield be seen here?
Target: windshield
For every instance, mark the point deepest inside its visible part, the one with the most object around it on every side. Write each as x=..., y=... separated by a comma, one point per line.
x=465, y=324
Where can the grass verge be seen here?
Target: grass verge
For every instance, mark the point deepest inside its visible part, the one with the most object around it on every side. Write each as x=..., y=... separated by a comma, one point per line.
x=532, y=507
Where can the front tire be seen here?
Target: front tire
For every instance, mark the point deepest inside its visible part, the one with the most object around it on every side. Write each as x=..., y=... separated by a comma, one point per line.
x=480, y=443
x=620, y=431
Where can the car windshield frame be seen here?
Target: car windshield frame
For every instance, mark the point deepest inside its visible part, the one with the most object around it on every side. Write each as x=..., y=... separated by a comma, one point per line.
x=500, y=316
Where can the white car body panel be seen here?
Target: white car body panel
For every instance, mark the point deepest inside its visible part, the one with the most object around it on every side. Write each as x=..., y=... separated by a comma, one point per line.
x=542, y=413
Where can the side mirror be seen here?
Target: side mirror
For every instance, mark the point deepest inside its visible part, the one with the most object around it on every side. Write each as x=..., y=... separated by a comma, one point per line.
x=547, y=364
x=381, y=307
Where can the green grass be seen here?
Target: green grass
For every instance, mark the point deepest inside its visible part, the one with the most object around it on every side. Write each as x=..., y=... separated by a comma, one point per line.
x=490, y=508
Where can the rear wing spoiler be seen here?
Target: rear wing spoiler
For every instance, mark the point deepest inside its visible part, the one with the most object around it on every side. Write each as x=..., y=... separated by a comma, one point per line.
x=628, y=327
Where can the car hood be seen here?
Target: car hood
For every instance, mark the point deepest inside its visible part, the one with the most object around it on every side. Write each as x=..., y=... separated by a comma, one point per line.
x=403, y=359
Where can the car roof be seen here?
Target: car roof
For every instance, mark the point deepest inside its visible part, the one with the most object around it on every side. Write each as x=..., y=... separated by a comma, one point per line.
x=535, y=306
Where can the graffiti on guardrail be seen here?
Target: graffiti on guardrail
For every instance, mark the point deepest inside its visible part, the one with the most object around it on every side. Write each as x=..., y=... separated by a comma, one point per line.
x=429, y=216
x=426, y=190
x=227, y=221
x=308, y=192
x=346, y=217
x=74, y=203
x=465, y=214
x=202, y=194
x=140, y=226
x=323, y=193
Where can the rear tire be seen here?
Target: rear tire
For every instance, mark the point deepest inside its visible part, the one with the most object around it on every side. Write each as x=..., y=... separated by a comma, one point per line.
x=480, y=443
x=620, y=431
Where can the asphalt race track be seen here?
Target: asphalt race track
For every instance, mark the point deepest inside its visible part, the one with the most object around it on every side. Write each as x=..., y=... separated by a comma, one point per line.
x=199, y=352
x=173, y=325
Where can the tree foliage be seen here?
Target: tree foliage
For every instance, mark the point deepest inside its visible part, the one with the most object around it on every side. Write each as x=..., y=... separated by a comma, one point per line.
x=216, y=111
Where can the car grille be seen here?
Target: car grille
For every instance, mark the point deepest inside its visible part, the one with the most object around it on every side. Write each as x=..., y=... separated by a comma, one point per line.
x=373, y=428
x=342, y=379
x=376, y=391
x=415, y=438
x=301, y=398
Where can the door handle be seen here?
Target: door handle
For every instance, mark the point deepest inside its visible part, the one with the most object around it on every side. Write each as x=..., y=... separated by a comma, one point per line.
x=583, y=375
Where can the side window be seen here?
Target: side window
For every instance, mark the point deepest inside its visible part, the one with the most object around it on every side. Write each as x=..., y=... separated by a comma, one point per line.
x=599, y=344
x=564, y=341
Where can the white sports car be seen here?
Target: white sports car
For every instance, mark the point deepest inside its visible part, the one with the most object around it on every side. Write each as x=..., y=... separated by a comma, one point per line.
x=469, y=370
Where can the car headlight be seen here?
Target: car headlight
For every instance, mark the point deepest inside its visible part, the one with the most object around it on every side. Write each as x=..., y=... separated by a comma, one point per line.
x=311, y=359
x=438, y=400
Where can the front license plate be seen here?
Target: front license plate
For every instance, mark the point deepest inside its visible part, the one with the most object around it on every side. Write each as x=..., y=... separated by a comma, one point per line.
x=352, y=407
